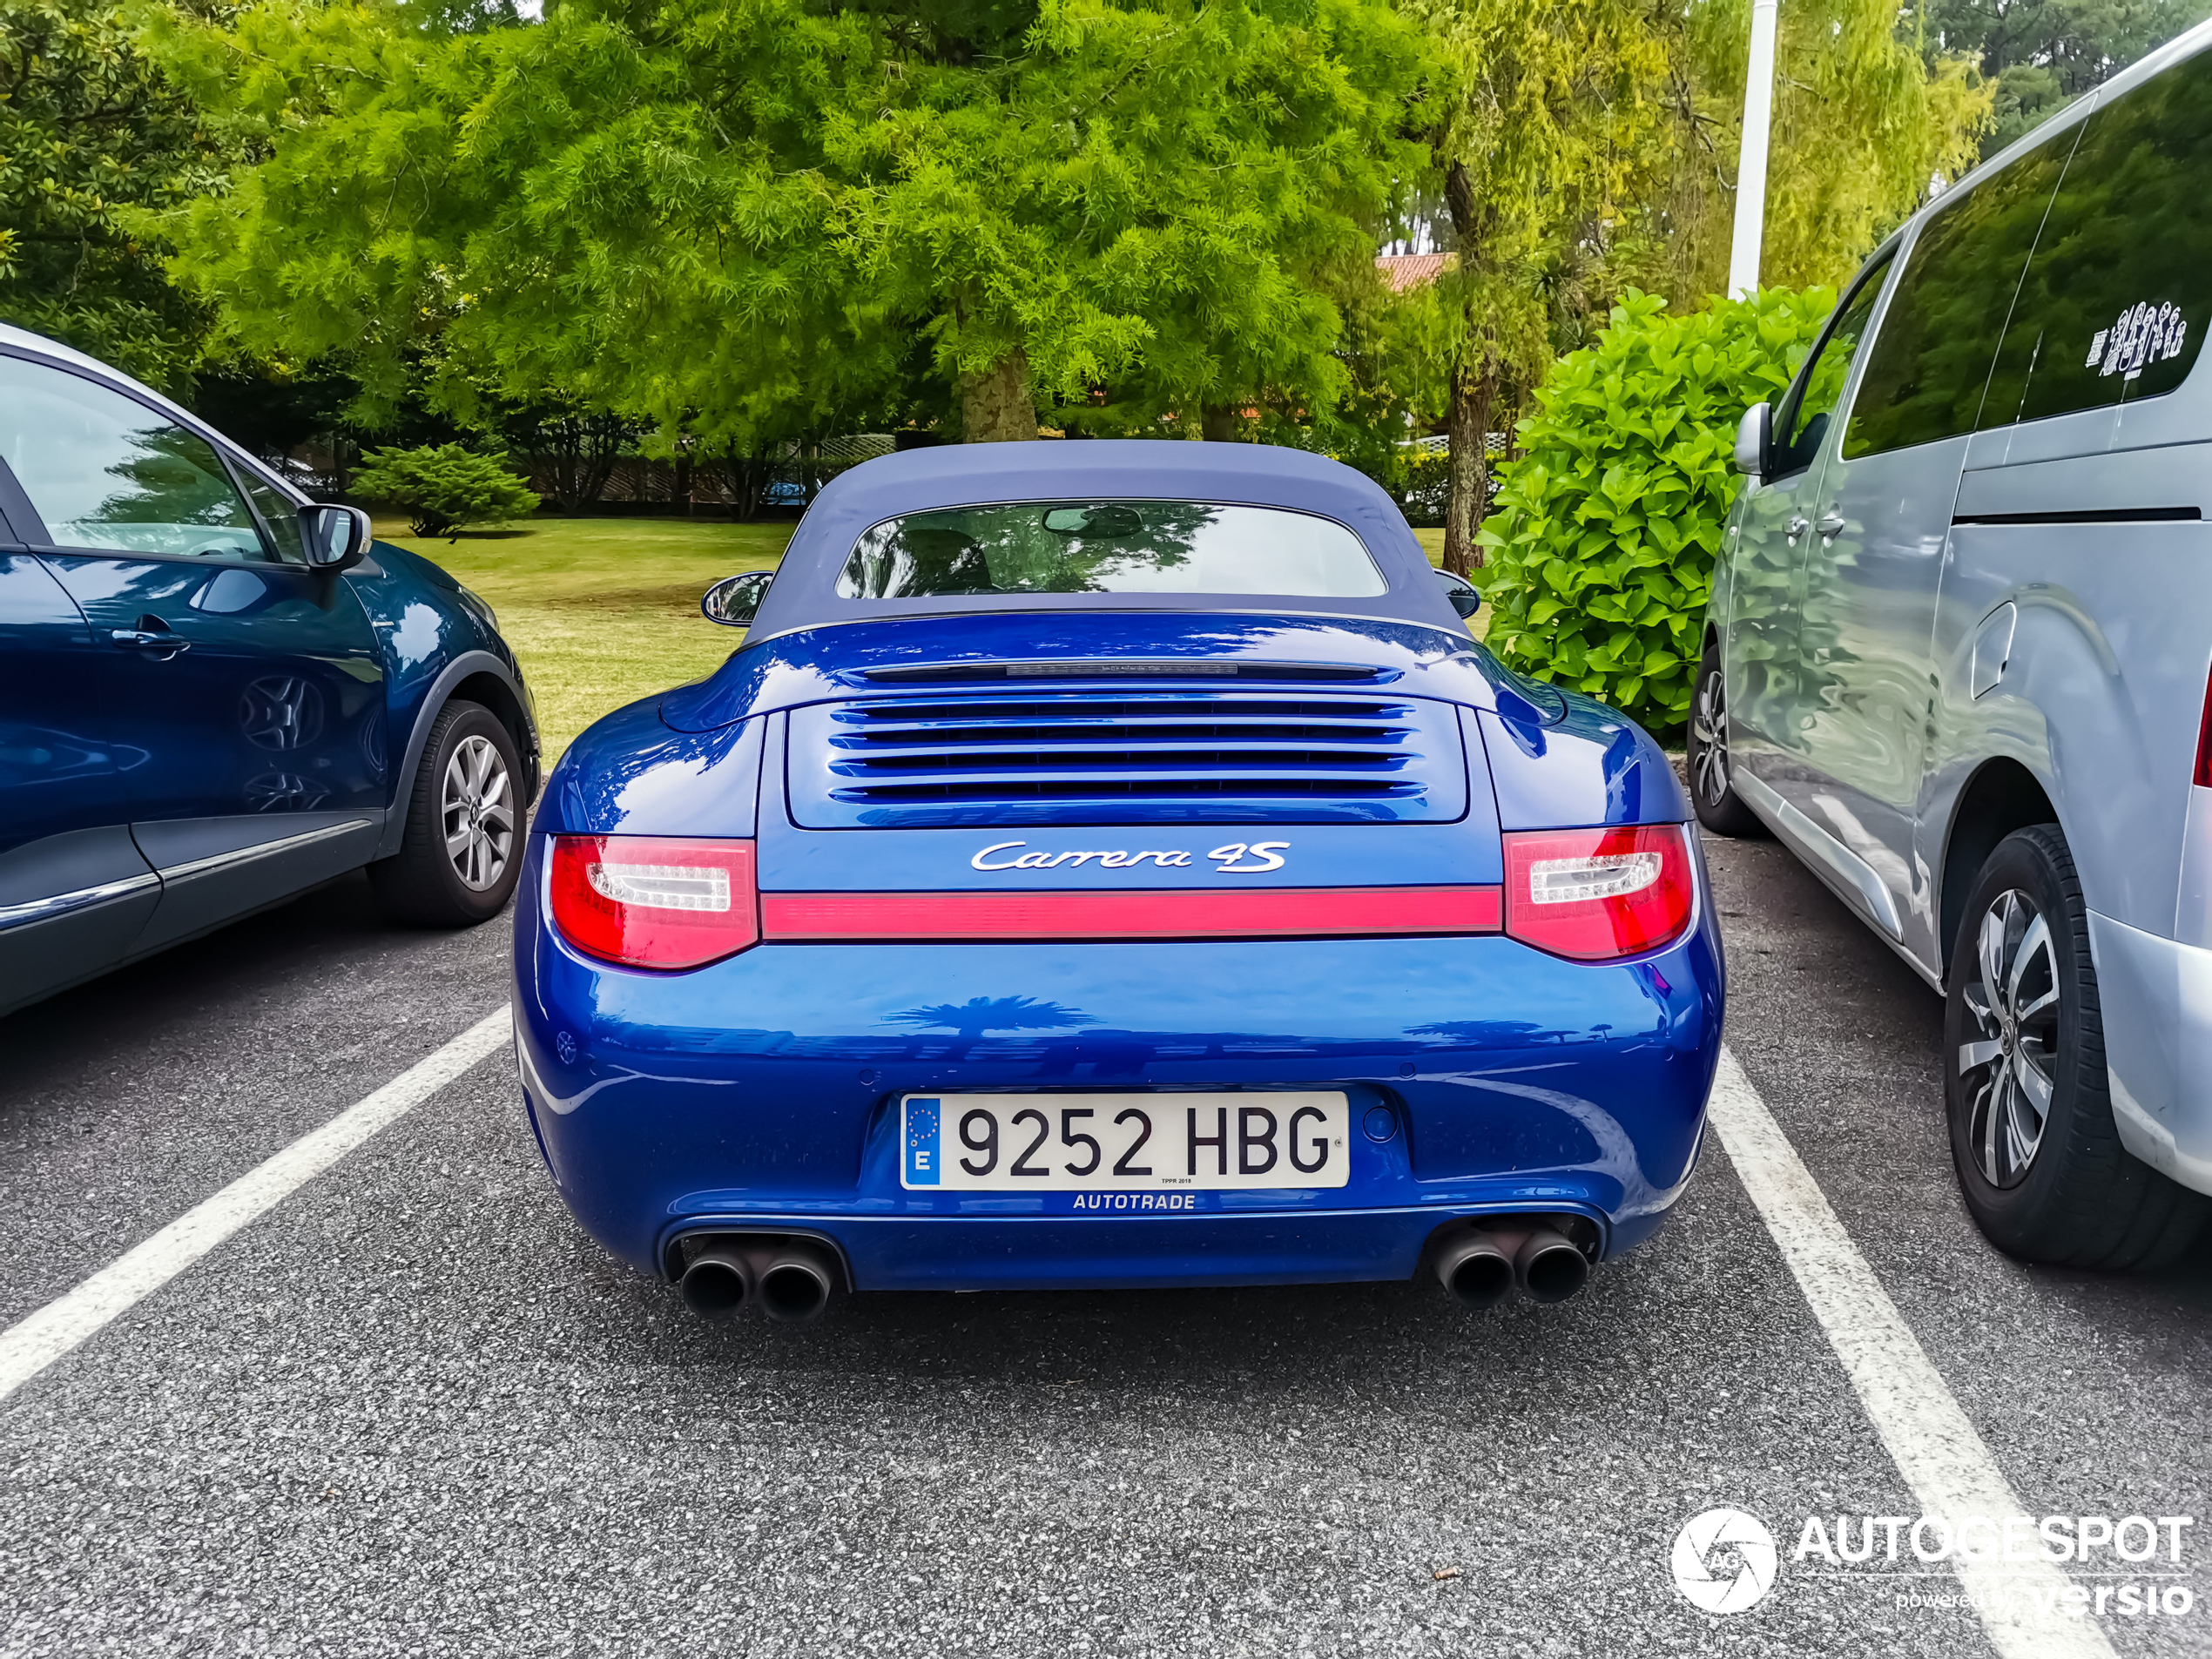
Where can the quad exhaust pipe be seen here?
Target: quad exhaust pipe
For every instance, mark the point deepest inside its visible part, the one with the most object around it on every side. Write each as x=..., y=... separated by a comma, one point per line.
x=1481, y=1268
x=789, y=1280
x=719, y=1283
x=795, y=1285
x=1477, y=1270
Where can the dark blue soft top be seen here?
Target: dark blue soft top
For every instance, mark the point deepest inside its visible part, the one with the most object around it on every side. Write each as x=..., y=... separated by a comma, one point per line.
x=972, y=474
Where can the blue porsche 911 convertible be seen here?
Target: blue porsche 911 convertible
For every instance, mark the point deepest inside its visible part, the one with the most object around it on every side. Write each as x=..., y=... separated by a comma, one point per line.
x=1112, y=865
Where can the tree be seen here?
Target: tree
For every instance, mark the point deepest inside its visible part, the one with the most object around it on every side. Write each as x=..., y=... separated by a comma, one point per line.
x=269, y=409
x=1585, y=144
x=739, y=221
x=1863, y=124
x=2043, y=54
x=580, y=444
x=1545, y=119
x=1395, y=354
x=90, y=127
x=1250, y=287
x=574, y=444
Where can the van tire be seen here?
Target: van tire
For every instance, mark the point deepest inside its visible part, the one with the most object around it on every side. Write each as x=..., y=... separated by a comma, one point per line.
x=1712, y=784
x=2079, y=1198
x=421, y=885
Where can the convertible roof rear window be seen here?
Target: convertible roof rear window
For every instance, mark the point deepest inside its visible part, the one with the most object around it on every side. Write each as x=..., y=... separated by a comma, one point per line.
x=1108, y=547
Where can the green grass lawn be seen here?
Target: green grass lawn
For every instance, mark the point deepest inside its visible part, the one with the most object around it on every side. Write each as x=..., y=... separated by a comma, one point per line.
x=605, y=610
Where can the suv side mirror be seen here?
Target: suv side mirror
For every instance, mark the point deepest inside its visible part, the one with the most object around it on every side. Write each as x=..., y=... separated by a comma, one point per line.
x=336, y=538
x=1466, y=597
x=1754, y=441
x=735, y=600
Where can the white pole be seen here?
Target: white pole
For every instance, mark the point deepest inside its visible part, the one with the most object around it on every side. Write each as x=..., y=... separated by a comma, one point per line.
x=1750, y=163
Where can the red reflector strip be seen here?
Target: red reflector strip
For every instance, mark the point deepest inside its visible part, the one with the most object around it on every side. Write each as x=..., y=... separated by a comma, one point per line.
x=1280, y=913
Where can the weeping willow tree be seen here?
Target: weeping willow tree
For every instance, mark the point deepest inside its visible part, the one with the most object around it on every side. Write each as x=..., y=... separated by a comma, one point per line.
x=1583, y=146
x=1549, y=118
x=1867, y=119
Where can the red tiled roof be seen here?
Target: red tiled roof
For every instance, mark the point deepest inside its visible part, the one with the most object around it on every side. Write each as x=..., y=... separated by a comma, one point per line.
x=1405, y=272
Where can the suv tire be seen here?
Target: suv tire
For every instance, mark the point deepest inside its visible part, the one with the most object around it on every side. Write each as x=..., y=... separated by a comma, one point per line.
x=1712, y=785
x=461, y=851
x=2025, y=1086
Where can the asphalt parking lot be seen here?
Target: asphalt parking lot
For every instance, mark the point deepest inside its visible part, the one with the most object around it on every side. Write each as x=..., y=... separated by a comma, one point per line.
x=413, y=1410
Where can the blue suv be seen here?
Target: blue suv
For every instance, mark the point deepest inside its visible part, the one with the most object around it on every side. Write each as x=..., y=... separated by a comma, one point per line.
x=215, y=694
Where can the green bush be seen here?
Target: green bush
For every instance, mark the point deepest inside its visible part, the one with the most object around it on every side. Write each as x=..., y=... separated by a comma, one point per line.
x=443, y=486
x=1602, y=539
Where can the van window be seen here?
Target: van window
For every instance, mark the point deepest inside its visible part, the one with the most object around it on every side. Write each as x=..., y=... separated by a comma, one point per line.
x=1929, y=365
x=1805, y=412
x=2119, y=295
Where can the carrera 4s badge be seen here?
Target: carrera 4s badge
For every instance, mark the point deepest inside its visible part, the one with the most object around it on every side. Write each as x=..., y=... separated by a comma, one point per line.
x=1238, y=858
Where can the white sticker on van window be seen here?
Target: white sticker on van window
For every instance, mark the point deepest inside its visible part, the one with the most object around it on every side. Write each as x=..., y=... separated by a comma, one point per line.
x=2142, y=334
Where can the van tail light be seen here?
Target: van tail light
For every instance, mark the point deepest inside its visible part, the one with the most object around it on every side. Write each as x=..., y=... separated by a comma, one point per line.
x=2204, y=742
x=1597, y=894
x=654, y=901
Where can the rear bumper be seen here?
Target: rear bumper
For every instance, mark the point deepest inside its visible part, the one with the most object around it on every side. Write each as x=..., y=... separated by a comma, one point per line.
x=2156, y=996
x=761, y=1093
x=1045, y=1253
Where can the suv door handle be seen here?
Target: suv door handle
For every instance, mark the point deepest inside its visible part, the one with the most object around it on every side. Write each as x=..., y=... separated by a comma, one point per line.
x=1830, y=525
x=157, y=639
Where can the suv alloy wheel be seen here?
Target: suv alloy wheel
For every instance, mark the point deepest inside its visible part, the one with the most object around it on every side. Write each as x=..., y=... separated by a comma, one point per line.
x=462, y=855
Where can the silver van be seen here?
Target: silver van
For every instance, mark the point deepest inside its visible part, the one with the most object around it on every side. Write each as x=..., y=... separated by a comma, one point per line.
x=1958, y=652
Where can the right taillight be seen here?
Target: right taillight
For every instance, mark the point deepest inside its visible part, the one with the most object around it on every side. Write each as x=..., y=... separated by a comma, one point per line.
x=2204, y=742
x=1596, y=894
x=652, y=901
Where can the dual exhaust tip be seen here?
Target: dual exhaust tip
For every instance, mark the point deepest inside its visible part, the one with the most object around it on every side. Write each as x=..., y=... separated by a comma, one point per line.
x=1480, y=1269
x=789, y=1280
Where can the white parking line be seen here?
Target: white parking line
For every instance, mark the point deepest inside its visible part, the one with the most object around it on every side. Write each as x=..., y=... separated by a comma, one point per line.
x=29, y=1346
x=1937, y=1450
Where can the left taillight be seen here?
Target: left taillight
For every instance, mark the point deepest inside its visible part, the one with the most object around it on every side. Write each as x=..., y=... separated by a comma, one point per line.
x=1598, y=895
x=654, y=901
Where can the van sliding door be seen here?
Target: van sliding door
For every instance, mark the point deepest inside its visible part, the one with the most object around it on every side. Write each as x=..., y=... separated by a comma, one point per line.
x=1881, y=519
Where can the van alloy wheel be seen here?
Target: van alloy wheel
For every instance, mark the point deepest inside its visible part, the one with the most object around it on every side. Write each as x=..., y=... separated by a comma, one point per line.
x=1708, y=723
x=2010, y=1061
x=477, y=814
x=1708, y=760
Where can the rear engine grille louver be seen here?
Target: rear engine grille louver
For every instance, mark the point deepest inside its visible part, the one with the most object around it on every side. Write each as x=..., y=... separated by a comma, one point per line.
x=1169, y=756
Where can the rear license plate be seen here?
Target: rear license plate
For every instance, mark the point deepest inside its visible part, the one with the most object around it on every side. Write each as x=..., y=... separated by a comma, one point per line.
x=1124, y=1142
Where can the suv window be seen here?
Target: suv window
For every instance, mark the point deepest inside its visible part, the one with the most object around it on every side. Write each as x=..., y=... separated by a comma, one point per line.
x=278, y=517
x=1925, y=376
x=2117, y=299
x=106, y=472
x=1805, y=414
